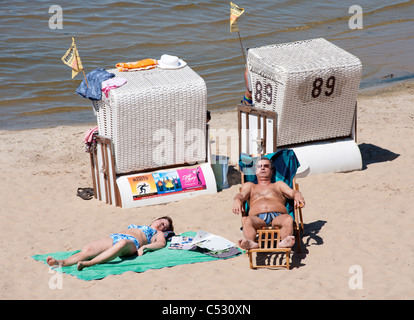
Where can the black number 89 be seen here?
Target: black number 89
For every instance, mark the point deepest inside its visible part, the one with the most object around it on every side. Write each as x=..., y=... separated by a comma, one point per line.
x=267, y=94
x=317, y=87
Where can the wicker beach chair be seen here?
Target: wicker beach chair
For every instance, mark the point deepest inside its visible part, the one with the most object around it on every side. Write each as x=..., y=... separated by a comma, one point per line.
x=285, y=164
x=150, y=117
x=312, y=85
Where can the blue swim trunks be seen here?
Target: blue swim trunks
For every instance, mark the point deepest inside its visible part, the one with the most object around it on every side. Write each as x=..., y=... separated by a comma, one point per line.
x=120, y=236
x=269, y=216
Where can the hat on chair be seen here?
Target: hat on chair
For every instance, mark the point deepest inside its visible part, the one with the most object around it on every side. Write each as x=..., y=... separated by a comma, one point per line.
x=170, y=62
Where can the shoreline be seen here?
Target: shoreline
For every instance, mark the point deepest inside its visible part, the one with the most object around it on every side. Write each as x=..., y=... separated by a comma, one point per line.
x=375, y=88
x=360, y=220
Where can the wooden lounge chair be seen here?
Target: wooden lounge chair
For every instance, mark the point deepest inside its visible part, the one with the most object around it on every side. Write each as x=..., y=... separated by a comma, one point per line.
x=285, y=164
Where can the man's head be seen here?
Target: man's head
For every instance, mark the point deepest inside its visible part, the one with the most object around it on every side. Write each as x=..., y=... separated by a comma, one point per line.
x=264, y=169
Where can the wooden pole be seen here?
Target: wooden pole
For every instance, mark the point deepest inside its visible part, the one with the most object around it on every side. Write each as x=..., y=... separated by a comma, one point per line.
x=86, y=80
x=241, y=45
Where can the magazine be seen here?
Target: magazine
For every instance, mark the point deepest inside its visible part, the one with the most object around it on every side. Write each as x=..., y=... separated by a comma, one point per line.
x=182, y=243
x=204, y=240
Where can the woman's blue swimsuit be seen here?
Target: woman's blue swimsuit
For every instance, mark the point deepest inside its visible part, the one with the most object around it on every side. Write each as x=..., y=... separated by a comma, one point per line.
x=148, y=231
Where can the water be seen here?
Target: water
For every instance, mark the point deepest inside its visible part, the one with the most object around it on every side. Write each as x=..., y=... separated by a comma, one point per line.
x=36, y=88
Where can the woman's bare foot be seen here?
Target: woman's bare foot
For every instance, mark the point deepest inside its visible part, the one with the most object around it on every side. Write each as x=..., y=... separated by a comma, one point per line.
x=83, y=264
x=287, y=242
x=54, y=263
x=247, y=244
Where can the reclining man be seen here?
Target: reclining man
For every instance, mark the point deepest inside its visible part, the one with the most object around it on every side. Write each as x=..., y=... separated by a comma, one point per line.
x=267, y=206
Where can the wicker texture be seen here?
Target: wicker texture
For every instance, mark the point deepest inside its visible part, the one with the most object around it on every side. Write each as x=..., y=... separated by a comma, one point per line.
x=312, y=85
x=155, y=119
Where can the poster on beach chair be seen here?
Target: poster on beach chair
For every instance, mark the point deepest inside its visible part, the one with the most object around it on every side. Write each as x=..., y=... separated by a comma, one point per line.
x=163, y=186
x=257, y=130
x=144, y=186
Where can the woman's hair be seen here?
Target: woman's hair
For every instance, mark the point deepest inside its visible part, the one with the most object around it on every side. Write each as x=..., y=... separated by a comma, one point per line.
x=170, y=222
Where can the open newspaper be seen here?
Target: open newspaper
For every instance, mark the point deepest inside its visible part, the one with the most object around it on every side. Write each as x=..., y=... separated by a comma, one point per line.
x=203, y=239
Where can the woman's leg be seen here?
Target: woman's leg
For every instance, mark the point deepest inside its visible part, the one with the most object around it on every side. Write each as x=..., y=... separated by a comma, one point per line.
x=91, y=250
x=121, y=248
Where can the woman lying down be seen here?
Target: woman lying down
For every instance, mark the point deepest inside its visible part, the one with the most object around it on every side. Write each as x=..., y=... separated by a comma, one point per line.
x=134, y=240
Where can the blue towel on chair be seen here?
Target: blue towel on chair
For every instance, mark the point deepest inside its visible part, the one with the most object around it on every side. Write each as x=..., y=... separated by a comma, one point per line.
x=93, y=90
x=285, y=164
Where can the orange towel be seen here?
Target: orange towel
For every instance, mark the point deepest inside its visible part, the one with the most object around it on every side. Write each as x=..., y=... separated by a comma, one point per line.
x=137, y=65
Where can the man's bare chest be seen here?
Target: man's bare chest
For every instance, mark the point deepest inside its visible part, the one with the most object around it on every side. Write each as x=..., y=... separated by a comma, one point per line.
x=265, y=192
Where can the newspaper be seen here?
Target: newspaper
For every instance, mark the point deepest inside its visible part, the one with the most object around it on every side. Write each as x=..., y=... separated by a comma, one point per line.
x=203, y=239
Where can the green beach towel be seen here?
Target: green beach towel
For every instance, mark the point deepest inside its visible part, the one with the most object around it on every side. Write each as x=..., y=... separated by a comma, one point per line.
x=151, y=260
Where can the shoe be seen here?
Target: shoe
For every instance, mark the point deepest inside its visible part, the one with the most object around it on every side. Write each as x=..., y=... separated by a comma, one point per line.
x=85, y=193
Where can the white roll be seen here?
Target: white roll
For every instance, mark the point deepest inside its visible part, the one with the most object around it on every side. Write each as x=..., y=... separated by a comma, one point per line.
x=328, y=156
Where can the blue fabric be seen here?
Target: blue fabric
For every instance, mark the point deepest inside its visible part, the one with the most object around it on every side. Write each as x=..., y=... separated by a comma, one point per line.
x=285, y=164
x=93, y=90
x=148, y=231
x=116, y=237
x=268, y=217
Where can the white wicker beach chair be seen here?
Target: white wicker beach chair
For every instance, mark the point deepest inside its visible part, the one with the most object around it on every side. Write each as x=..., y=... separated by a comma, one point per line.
x=157, y=119
x=312, y=85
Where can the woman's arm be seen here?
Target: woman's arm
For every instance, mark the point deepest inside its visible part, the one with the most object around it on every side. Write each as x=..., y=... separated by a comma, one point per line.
x=159, y=243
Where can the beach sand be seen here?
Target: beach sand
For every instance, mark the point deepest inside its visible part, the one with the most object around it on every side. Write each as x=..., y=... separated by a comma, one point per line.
x=360, y=220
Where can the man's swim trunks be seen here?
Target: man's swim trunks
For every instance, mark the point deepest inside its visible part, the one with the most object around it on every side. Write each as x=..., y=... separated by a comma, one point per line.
x=268, y=217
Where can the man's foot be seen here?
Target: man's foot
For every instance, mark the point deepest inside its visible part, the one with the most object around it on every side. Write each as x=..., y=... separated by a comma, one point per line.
x=54, y=263
x=287, y=242
x=247, y=244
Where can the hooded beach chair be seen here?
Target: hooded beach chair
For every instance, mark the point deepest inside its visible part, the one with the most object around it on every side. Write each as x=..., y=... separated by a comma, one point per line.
x=285, y=165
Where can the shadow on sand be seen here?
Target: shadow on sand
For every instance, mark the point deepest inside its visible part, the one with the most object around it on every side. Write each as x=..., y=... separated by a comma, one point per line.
x=374, y=154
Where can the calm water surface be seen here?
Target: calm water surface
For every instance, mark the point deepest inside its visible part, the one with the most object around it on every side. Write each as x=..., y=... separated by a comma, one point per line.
x=36, y=88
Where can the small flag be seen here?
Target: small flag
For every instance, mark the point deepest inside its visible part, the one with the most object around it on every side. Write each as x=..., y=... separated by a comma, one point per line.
x=235, y=12
x=72, y=59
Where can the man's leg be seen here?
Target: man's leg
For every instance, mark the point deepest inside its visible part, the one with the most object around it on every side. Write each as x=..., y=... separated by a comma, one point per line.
x=250, y=225
x=285, y=223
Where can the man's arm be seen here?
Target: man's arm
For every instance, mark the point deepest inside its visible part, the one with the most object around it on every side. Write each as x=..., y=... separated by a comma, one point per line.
x=239, y=198
x=289, y=193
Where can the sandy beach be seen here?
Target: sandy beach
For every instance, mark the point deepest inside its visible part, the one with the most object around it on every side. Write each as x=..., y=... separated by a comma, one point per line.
x=360, y=220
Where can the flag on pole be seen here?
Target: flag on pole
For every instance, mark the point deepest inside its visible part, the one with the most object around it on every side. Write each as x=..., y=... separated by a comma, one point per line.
x=235, y=12
x=72, y=59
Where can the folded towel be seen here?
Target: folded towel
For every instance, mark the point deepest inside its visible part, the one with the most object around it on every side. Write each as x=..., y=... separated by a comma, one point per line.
x=151, y=260
x=89, y=134
x=112, y=83
x=137, y=65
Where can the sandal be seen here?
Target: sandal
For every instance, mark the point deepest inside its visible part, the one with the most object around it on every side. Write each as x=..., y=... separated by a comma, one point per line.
x=85, y=193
